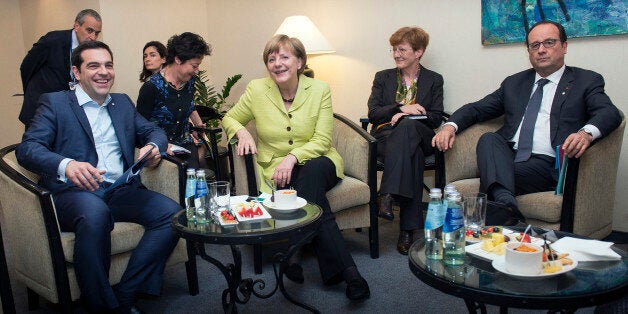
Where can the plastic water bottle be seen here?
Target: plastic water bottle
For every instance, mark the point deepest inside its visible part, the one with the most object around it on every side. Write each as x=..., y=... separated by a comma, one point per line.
x=453, y=232
x=434, y=226
x=190, y=192
x=200, y=200
x=449, y=188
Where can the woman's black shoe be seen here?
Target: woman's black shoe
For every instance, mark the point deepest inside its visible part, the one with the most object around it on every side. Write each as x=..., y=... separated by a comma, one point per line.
x=294, y=272
x=358, y=289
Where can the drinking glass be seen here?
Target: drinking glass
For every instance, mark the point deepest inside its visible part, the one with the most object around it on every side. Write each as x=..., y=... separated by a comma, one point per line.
x=220, y=192
x=475, y=211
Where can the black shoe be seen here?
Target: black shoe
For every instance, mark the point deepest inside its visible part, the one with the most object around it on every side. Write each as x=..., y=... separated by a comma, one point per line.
x=294, y=272
x=385, y=202
x=358, y=289
x=404, y=241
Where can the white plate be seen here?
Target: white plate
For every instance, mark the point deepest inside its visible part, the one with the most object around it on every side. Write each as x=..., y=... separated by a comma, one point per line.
x=500, y=265
x=264, y=215
x=286, y=209
x=476, y=250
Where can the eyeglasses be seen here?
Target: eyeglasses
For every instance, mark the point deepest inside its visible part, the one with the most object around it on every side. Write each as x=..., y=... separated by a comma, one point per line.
x=548, y=43
x=401, y=51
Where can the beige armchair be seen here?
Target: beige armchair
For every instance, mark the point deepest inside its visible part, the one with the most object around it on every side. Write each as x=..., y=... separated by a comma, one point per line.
x=353, y=199
x=585, y=208
x=42, y=254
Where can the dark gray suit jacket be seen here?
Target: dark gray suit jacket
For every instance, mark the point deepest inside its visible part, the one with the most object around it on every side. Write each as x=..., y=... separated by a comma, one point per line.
x=60, y=129
x=382, y=105
x=45, y=69
x=580, y=99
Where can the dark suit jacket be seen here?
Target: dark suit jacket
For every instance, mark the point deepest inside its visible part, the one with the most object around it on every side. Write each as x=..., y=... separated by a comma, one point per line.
x=45, y=69
x=579, y=100
x=60, y=129
x=382, y=105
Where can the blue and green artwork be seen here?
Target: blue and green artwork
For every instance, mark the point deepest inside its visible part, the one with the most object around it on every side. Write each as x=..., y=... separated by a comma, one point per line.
x=506, y=21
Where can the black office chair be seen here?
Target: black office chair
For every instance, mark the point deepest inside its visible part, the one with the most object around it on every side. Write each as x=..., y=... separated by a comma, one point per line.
x=434, y=161
x=216, y=155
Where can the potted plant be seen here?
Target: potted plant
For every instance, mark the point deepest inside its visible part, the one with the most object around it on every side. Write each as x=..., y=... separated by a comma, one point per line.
x=207, y=96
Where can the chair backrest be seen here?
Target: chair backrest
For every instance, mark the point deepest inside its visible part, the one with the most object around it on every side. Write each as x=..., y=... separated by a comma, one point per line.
x=346, y=139
x=461, y=160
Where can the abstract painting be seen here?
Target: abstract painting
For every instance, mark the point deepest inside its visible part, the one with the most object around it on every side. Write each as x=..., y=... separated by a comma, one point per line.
x=506, y=21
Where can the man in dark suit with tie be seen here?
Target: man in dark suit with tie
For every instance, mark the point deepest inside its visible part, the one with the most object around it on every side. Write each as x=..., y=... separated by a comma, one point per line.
x=79, y=142
x=46, y=68
x=549, y=105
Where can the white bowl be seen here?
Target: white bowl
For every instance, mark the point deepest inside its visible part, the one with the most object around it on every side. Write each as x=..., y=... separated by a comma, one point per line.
x=524, y=263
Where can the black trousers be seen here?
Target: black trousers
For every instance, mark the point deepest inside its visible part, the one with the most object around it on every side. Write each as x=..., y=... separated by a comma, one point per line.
x=404, y=150
x=495, y=158
x=312, y=181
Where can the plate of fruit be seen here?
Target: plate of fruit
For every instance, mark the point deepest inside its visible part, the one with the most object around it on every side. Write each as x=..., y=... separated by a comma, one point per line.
x=226, y=218
x=476, y=236
x=250, y=211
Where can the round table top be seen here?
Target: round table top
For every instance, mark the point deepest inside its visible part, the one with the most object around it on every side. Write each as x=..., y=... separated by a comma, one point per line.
x=590, y=283
x=280, y=226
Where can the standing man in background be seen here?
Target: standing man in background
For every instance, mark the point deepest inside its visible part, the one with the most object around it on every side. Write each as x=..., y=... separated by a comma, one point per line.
x=46, y=68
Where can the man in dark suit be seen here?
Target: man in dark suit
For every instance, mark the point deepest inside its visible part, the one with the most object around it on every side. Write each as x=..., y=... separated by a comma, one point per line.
x=519, y=158
x=79, y=142
x=46, y=68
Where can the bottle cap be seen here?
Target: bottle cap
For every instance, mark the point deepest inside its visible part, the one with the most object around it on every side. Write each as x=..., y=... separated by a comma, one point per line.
x=435, y=192
x=200, y=172
x=190, y=171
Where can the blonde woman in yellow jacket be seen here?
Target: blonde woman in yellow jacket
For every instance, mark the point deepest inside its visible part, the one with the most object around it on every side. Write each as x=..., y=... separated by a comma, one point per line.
x=294, y=121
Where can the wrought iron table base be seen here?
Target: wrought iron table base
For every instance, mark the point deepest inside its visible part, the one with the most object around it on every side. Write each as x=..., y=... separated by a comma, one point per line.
x=247, y=287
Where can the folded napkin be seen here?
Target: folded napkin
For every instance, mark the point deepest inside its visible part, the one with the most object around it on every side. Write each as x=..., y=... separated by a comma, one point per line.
x=586, y=250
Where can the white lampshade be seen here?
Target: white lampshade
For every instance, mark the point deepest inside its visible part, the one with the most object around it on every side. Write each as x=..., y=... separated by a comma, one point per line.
x=301, y=27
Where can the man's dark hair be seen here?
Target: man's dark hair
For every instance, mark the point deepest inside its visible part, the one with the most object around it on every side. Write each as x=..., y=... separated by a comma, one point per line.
x=77, y=59
x=187, y=46
x=80, y=17
x=561, y=30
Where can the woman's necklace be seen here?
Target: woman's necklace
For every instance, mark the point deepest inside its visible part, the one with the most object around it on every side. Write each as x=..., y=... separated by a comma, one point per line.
x=287, y=100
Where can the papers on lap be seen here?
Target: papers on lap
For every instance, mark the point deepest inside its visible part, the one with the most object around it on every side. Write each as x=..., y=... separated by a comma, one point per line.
x=129, y=174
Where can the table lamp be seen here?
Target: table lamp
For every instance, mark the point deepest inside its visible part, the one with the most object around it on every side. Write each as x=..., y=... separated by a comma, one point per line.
x=303, y=28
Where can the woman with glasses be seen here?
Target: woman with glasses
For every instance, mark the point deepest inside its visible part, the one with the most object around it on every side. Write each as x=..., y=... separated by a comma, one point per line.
x=405, y=105
x=167, y=97
x=294, y=120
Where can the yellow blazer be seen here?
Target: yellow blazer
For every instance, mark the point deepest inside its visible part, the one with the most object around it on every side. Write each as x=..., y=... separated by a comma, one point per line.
x=304, y=131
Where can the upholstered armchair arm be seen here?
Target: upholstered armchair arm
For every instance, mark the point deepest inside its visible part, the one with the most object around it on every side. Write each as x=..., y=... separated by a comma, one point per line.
x=594, y=189
x=245, y=172
x=33, y=235
x=168, y=178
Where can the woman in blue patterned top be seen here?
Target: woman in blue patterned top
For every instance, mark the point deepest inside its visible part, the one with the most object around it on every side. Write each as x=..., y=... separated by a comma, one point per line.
x=167, y=97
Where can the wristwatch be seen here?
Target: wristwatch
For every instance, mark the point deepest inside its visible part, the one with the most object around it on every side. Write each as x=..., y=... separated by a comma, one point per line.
x=587, y=130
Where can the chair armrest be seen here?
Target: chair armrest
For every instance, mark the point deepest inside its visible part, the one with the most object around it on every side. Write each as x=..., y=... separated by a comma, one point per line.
x=590, y=185
x=356, y=147
x=37, y=253
x=168, y=178
x=245, y=184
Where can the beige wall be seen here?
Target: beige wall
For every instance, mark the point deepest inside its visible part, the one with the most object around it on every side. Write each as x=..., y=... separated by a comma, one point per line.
x=358, y=29
x=11, y=52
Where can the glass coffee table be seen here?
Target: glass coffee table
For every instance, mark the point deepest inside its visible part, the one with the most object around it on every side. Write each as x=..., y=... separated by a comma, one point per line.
x=478, y=283
x=301, y=225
